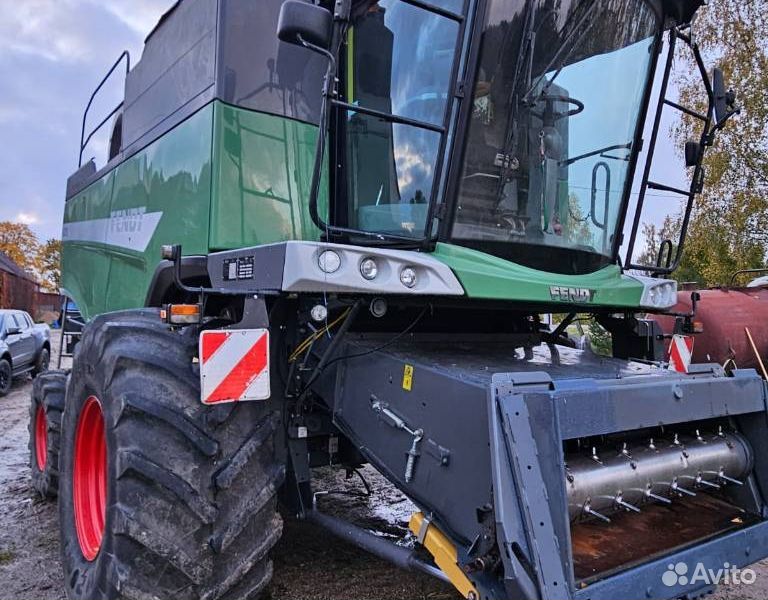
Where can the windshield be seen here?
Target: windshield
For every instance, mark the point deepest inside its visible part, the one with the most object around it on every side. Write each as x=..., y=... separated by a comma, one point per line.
x=556, y=102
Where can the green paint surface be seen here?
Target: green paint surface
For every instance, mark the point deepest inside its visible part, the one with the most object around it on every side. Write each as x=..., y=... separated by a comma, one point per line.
x=224, y=178
x=489, y=277
x=262, y=172
x=84, y=265
x=171, y=176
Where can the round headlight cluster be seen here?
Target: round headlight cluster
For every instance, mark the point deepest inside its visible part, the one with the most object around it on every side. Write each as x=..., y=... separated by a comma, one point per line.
x=408, y=277
x=369, y=269
x=329, y=261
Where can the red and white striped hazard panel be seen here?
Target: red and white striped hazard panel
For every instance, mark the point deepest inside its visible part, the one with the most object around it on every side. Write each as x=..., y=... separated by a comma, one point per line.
x=680, y=353
x=234, y=365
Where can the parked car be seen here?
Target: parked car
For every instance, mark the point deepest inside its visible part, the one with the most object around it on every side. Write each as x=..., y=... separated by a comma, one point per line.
x=24, y=347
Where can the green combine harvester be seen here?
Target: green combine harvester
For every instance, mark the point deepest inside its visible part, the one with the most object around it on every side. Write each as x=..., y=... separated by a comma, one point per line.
x=326, y=234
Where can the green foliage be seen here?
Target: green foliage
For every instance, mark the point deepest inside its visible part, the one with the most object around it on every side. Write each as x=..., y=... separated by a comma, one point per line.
x=578, y=230
x=599, y=338
x=654, y=236
x=20, y=243
x=729, y=226
x=48, y=265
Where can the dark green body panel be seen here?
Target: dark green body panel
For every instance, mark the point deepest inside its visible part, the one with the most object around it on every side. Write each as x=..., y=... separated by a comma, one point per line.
x=224, y=178
x=492, y=278
x=262, y=172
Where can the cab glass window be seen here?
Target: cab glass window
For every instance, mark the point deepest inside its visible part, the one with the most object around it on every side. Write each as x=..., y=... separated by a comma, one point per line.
x=399, y=61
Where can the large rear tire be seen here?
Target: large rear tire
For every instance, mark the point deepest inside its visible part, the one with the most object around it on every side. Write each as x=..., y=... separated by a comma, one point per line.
x=161, y=497
x=46, y=406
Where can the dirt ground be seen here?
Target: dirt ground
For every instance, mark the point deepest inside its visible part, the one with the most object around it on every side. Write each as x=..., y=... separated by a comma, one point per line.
x=309, y=563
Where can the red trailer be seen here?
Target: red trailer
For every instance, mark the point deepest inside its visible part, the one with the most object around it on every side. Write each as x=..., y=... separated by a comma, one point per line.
x=726, y=314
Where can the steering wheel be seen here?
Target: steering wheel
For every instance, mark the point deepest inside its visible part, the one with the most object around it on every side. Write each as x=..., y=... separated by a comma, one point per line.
x=577, y=104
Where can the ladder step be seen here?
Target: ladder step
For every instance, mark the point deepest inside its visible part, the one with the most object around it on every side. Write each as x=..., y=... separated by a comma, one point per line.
x=667, y=188
x=686, y=110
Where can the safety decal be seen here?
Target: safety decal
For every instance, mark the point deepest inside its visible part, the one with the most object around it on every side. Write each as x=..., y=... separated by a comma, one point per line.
x=680, y=353
x=234, y=365
x=408, y=378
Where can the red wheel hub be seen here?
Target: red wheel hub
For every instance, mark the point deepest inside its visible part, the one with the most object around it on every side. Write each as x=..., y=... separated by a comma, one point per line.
x=41, y=438
x=90, y=478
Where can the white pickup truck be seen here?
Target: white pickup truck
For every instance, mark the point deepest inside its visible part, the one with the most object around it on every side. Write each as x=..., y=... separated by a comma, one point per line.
x=24, y=347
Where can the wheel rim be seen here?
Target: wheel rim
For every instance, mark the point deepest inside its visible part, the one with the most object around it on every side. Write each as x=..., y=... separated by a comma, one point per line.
x=90, y=478
x=41, y=438
x=45, y=361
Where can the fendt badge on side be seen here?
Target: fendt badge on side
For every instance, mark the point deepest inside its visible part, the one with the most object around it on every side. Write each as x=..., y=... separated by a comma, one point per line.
x=570, y=294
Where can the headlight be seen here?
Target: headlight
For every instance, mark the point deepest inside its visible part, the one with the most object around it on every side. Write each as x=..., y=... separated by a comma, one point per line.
x=369, y=269
x=408, y=277
x=319, y=313
x=329, y=261
x=659, y=293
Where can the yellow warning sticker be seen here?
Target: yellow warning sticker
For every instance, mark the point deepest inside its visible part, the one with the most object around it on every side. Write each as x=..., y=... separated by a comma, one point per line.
x=408, y=378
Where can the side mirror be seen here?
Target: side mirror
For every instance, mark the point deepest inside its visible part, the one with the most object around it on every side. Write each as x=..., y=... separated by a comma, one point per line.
x=692, y=153
x=724, y=99
x=302, y=22
x=12, y=331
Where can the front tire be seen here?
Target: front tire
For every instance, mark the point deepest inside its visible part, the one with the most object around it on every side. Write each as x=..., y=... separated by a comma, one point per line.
x=161, y=497
x=46, y=406
x=6, y=377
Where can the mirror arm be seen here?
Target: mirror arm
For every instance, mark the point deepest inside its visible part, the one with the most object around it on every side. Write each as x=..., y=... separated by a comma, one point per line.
x=327, y=53
x=724, y=121
x=329, y=91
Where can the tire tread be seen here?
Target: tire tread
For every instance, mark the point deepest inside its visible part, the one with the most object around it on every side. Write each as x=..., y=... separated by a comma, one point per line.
x=214, y=468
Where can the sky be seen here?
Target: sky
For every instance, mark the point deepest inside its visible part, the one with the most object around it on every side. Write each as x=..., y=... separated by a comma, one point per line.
x=53, y=53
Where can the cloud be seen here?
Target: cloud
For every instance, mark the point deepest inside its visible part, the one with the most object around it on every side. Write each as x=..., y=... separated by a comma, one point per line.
x=27, y=218
x=48, y=29
x=52, y=55
x=76, y=31
x=139, y=15
x=412, y=167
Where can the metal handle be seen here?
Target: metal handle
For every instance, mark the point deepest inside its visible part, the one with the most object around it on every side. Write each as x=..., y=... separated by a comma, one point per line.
x=83, y=140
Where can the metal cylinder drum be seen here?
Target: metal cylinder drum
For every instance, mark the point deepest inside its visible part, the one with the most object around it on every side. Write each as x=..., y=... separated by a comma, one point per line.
x=725, y=313
x=655, y=471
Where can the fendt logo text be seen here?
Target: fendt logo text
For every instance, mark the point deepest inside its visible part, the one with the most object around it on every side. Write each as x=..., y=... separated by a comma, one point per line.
x=679, y=574
x=570, y=294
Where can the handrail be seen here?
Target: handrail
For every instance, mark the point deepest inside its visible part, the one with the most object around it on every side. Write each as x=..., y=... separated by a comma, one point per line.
x=706, y=140
x=83, y=140
x=746, y=272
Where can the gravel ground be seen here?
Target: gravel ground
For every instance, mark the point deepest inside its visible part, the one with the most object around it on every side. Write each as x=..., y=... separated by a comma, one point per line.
x=309, y=563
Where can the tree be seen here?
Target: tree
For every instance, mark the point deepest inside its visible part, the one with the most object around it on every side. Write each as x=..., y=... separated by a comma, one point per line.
x=20, y=243
x=48, y=265
x=655, y=236
x=729, y=225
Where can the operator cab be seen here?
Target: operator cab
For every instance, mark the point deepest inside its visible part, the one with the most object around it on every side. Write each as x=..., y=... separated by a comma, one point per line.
x=513, y=129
